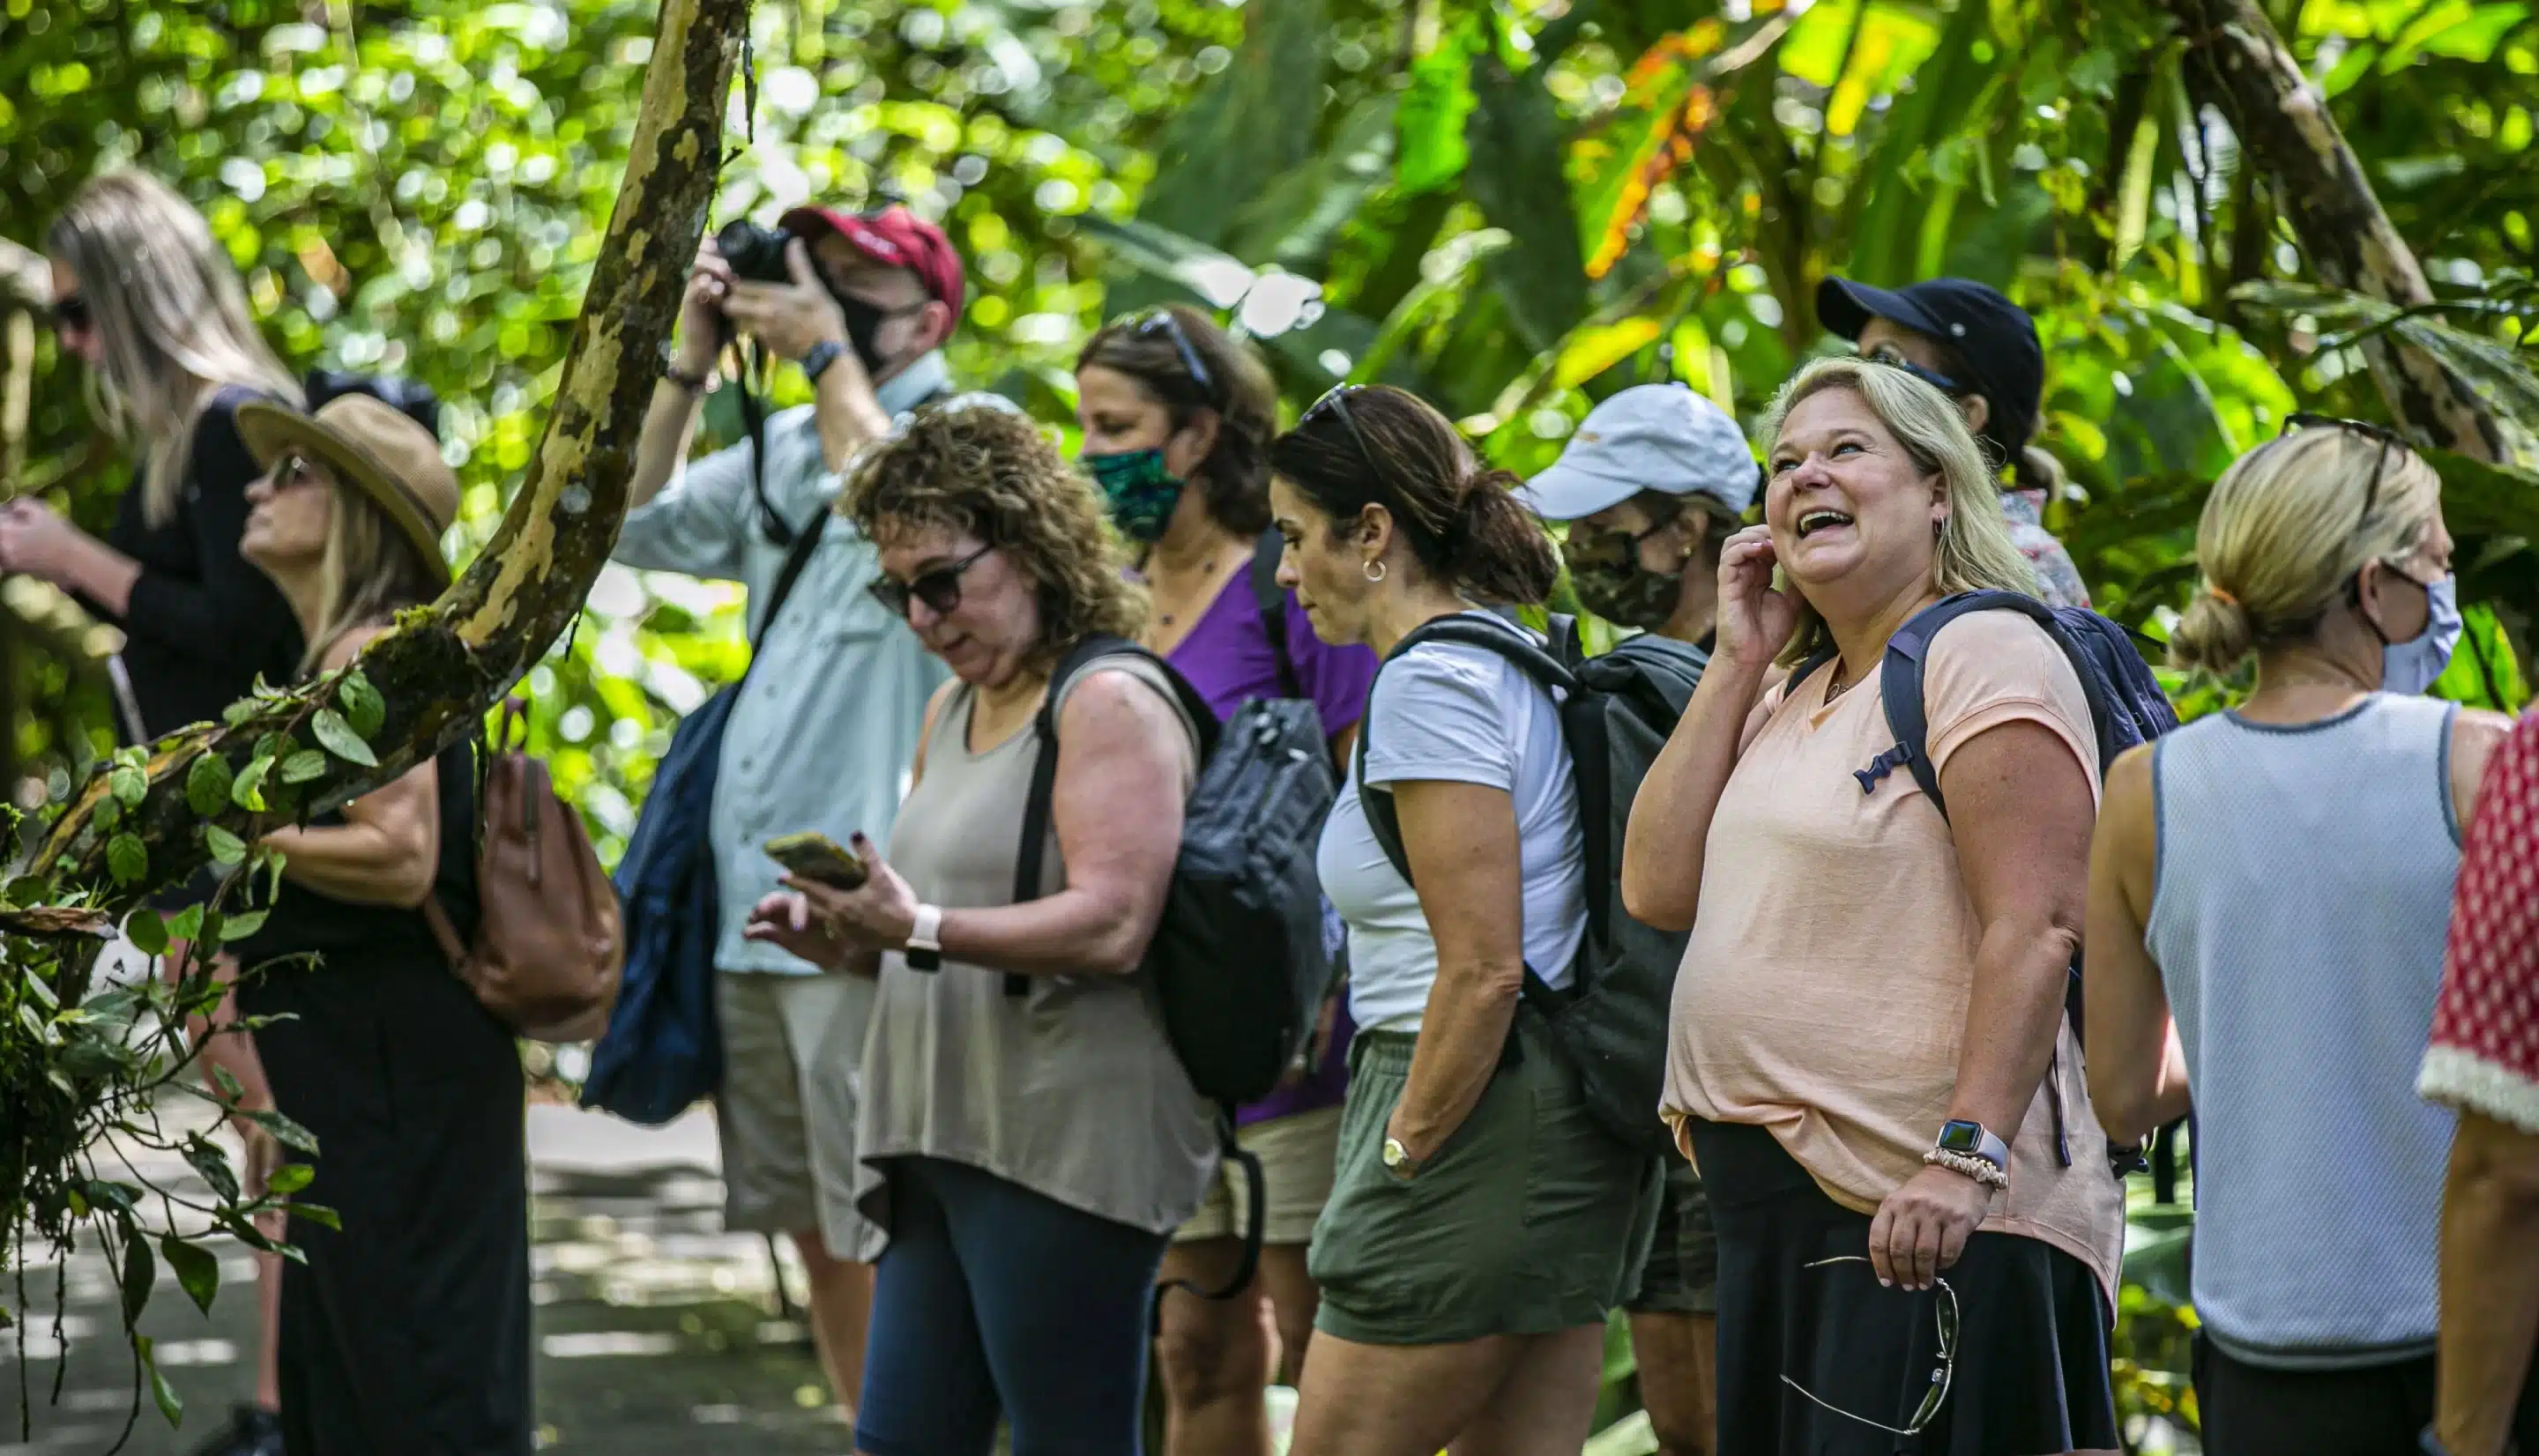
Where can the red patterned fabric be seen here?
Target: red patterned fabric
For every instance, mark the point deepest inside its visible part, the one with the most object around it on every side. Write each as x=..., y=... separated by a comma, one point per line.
x=2485, y=1053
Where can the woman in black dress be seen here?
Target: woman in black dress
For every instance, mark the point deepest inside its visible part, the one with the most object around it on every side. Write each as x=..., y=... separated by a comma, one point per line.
x=408, y=1330
x=146, y=298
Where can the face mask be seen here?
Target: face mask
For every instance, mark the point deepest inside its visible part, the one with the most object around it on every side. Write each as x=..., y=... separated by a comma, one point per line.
x=863, y=328
x=1613, y=584
x=2410, y=667
x=1138, y=492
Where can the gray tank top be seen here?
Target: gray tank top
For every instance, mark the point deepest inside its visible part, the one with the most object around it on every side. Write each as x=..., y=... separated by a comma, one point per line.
x=1071, y=1090
x=2302, y=902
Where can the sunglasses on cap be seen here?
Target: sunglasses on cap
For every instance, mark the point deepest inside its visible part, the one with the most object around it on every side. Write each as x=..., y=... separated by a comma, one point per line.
x=1893, y=358
x=70, y=314
x=938, y=587
x=1337, y=401
x=2388, y=439
x=1161, y=321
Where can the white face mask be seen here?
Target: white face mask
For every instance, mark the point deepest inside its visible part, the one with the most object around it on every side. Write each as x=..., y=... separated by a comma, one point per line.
x=2410, y=667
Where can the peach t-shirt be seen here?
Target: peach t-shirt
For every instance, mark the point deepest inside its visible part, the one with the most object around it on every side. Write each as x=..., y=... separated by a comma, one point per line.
x=1823, y=992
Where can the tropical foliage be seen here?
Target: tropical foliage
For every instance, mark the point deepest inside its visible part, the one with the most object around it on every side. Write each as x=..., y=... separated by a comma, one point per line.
x=1514, y=207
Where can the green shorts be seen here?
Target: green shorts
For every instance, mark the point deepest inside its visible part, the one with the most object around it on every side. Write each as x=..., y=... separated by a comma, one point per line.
x=1530, y=1218
x=1682, y=1276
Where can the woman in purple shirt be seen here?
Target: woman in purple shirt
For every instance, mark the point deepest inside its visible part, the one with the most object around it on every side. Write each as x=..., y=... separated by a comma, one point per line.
x=1177, y=416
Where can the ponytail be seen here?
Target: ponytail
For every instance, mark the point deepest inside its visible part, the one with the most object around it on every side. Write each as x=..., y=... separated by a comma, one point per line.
x=1495, y=549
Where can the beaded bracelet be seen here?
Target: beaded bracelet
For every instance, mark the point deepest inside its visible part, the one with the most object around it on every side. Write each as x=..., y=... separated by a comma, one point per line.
x=1980, y=1169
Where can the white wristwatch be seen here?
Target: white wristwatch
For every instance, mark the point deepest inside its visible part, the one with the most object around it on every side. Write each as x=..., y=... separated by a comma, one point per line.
x=925, y=944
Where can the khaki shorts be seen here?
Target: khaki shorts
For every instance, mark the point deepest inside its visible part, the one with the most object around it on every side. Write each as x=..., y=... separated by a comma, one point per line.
x=1530, y=1219
x=1683, y=1277
x=1296, y=1154
x=791, y=1078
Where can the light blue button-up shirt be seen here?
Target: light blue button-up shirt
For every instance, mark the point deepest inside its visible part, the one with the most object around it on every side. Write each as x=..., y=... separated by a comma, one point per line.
x=827, y=723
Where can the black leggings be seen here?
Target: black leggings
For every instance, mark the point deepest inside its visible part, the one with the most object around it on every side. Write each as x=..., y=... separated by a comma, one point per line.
x=992, y=1298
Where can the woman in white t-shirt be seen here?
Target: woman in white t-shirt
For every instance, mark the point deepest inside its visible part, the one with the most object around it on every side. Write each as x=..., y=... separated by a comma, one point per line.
x=1481, y=1223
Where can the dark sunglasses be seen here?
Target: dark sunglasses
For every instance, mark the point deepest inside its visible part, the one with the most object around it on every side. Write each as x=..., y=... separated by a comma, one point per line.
x=71, y=316
x=1337, y=401
x=938, y=587
x=1161, y=321
x=2388, y=439
x=1887, y=353
x=1937, y=1394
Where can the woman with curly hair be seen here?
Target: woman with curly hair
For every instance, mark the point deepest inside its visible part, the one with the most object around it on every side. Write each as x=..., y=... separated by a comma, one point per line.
x=1027, y=1154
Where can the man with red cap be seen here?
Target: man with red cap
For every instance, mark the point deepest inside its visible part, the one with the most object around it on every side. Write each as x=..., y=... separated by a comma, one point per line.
x=826, y=723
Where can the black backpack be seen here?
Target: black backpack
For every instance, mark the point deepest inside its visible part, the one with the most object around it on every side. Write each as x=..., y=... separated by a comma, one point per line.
x=1238, y=961
x=1617, y=711
x=2126, y=708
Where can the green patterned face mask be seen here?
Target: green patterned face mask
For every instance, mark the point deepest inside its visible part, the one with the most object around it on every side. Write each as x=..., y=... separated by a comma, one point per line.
x=1138, y=492
x=1624, y=592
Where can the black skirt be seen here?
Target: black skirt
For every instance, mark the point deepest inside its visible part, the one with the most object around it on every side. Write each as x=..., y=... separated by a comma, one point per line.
x=2031, y=1371
x=407, y=1333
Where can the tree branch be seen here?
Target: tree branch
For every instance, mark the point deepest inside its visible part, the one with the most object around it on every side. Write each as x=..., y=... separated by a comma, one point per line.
x=443, y=665
x=2238, y=63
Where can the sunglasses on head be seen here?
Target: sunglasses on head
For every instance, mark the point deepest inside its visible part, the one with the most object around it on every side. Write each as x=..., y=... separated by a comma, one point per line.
x=1161, y=321
x=2388, y=439
x=70, y=314
x=938, y=587
x=1889, y=356
x=1337, y=401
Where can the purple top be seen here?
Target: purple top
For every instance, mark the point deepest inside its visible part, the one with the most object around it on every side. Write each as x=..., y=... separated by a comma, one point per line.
x=1228, y=659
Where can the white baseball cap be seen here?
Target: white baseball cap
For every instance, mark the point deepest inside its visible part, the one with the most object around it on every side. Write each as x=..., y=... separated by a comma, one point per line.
x=1663, y=437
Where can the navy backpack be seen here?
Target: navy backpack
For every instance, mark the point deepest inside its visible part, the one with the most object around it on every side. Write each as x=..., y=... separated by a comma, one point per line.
x=2126, y=707
x=662, y=1050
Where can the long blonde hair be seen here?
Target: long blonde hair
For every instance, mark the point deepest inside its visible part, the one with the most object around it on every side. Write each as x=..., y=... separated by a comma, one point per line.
x=370, y=571
x=2285, y=528
x=1974, y=550
x=171, y=316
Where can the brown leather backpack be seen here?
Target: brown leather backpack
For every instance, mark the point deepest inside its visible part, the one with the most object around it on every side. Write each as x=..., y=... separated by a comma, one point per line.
x=550, y=946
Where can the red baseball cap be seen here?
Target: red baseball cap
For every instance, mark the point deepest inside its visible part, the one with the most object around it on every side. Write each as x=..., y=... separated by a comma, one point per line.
x=894, y=237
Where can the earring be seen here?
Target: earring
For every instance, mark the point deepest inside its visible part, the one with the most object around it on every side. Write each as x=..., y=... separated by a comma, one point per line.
x=1375, y=570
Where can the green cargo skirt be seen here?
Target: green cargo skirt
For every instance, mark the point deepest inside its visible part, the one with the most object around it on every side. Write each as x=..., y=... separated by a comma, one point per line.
x=1530, y=1220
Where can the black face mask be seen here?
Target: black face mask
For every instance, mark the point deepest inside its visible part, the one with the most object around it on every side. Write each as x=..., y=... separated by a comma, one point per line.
x=863, y=328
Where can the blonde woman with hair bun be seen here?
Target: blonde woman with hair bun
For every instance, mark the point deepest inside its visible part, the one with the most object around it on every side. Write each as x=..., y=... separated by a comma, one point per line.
x=2270, y=894
x=1867, y=1046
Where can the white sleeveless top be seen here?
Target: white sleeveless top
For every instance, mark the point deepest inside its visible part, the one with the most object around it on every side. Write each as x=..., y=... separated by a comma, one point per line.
x=2302, y=900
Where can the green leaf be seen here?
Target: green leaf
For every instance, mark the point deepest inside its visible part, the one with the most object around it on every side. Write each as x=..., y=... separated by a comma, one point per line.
x=213, y=1165
x=285, y=1131
x=147, y=931
x=107, y=814
x=189, y=920
x=172, y=1405
x=247, y=791
x=240, y=711
x=1431, y=120
x=129, y=785
x=317, y=1213
x=291, y=1178
x=197, y=1272
x=127, y=858
x=207, y=784
x=226, y=849
x=362, y=705
x=140, y=1274
x=340, y=738
x=29, y=890
x=302, y=766
x=240, y=926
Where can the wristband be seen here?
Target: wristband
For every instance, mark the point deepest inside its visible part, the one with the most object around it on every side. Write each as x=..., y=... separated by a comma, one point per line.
x=925, y=948
x=1966, y=1165
x=817, y=358
x=692, y=383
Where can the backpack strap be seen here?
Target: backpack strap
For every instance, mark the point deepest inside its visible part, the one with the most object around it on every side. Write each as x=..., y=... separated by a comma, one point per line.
x=1030, y=855
x=796, y=558
x=1271, y=600
x=1538, y=663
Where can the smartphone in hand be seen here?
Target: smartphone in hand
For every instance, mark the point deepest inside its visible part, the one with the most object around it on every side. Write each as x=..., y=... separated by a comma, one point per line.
x=813, y=855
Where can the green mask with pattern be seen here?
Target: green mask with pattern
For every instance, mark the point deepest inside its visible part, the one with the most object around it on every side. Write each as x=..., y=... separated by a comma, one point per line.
x=1137, y=491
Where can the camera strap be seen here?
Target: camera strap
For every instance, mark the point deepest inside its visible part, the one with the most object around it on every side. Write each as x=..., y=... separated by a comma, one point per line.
x=753, y=417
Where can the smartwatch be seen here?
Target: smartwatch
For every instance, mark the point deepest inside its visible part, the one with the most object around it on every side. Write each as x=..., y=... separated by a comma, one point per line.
x=817, y=358
x=1974, y=1140
x=924, y=947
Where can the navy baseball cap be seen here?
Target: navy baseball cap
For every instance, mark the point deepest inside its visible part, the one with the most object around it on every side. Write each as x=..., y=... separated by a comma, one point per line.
x=1992, y=335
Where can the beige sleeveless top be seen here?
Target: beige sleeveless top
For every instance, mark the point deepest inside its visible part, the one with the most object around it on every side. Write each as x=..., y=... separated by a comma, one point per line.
x=1070, y=1091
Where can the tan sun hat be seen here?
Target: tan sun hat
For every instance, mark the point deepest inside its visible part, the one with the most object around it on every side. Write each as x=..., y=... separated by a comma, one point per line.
x=372, y=447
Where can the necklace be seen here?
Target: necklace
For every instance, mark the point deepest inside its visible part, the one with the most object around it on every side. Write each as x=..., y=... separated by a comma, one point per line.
x=1207, y=572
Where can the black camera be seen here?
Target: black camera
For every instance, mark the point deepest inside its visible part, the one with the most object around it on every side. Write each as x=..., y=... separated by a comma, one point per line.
x=754, y=253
